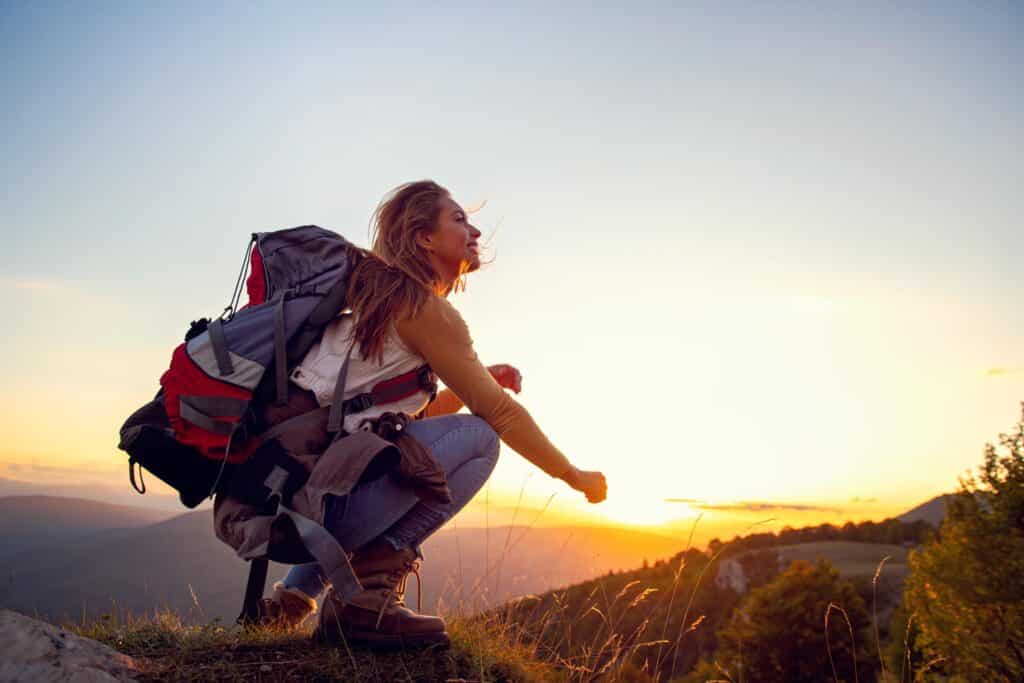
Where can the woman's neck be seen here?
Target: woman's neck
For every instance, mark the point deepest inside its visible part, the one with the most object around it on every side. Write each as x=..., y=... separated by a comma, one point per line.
x=446, y=279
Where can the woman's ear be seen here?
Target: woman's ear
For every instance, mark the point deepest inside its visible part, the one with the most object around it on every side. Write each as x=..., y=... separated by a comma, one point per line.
x=425, y=240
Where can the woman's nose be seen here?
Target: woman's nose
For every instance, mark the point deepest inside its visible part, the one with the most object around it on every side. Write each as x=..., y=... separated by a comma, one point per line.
x=473, y=231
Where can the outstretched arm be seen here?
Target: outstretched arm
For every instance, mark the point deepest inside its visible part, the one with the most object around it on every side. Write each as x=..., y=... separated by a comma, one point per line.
x=441, y=337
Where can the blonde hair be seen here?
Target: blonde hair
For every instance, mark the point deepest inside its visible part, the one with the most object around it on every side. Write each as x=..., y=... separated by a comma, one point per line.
x=394, y=279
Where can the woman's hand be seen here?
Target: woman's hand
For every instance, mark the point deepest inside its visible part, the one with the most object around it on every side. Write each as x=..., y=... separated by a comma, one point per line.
x=591, y=484
x=507, y=376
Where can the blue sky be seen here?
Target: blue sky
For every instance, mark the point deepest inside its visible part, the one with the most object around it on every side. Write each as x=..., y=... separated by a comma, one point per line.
x=788, y=230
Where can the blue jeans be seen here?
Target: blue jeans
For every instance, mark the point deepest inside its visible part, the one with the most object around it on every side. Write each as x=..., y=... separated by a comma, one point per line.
x=467, y=449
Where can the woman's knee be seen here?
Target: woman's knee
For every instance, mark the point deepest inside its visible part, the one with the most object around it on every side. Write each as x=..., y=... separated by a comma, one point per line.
x=456, y=437
x=487, y=443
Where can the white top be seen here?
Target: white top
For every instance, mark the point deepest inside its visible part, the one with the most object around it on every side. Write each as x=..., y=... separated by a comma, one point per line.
x=318, y=372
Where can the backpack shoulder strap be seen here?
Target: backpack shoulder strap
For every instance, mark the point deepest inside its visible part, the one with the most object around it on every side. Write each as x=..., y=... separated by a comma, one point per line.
x=336, y=418
x=254, y=591
x=220, y=347
x=280, y=352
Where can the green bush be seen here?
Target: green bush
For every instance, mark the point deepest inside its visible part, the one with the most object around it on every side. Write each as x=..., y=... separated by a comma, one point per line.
x=778, y=633
x=966, y=587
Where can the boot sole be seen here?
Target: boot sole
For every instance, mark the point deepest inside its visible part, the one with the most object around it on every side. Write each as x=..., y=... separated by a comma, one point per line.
x=387, y=641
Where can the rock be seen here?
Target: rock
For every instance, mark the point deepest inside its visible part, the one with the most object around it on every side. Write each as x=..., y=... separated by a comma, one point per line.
x=731, y=575
x=33, y=650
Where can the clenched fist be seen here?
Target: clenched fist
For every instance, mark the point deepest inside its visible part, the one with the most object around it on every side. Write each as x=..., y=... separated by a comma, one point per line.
x=591, y=484
x=507, y=376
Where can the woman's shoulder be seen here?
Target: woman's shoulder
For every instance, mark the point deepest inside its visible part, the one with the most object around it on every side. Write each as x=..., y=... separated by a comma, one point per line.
x=436, y=319
x=437, y=310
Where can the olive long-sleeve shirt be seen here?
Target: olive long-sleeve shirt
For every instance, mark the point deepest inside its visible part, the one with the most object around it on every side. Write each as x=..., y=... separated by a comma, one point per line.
x=439, y=334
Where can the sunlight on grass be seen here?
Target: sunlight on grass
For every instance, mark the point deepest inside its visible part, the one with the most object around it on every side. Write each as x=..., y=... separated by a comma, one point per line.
x=658, y=622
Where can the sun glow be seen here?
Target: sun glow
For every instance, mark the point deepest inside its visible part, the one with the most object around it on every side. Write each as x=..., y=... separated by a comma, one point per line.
x=645, y=511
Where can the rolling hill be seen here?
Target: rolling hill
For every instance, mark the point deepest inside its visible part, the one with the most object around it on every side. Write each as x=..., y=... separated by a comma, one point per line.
x=28, y=522
x=178, y=563
x=117, y=492
x=932, y=511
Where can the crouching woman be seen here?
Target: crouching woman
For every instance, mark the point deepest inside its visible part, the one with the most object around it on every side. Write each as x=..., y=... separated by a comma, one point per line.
x=423, y=248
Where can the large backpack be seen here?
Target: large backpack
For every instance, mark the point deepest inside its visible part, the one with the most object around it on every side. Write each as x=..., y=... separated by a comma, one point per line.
x=200, y=426
x=202, y=432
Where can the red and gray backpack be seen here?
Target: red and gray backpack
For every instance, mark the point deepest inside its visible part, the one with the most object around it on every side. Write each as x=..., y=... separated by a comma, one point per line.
x=202, y=429
x=200, y=426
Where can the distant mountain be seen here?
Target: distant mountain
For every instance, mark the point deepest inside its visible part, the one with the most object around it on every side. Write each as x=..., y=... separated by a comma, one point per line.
x=179, y=563
x=479, y=567
x=135, y=570
x=158, y=497
x=932, y=511
x=28, y=522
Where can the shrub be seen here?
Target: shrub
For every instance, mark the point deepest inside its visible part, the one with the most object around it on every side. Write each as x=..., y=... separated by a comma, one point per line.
x=966, y=587
x=779, y=632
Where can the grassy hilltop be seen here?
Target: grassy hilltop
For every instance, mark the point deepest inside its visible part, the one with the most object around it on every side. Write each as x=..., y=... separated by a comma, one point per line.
x=810, y=604
x=168, y=650
x=651, y=623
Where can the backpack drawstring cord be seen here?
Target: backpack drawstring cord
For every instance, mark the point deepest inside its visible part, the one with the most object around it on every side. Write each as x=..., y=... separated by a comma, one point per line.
x=236, y=293
x=224, y=462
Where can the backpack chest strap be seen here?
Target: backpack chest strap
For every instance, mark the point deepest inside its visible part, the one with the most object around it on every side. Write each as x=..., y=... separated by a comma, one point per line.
x=387, y=391
x=394, y=389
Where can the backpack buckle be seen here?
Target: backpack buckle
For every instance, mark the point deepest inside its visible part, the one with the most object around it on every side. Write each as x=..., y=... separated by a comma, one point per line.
x=358, y=404
x=427, y=380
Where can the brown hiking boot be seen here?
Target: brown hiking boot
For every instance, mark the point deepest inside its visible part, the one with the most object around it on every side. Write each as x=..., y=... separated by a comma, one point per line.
x=377, y=617
x=286, y=609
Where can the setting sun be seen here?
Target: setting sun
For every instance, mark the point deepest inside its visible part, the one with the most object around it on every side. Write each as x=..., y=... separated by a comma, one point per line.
x=644, y=511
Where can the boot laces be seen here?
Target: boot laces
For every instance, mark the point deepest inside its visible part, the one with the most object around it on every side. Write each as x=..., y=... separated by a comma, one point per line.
x=396, y=594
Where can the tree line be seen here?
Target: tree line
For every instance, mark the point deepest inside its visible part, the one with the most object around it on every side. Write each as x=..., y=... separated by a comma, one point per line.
x=891, y=531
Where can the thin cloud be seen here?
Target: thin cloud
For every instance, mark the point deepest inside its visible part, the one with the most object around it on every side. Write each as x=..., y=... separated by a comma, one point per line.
x=751, y=506
x=998, y=372
x=858, y=499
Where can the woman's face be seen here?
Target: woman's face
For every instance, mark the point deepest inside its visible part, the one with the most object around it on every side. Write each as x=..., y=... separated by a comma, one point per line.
x=453, y=244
